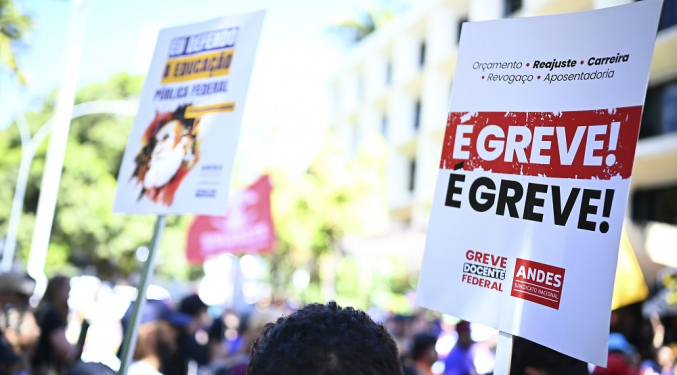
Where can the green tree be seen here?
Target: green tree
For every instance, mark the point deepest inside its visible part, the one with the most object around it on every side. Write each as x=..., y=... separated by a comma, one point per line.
x=13, y=28
x=86, y=233
x=357, y=26
x=339, y=195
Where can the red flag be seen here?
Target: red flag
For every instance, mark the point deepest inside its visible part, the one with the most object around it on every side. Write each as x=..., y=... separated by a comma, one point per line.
x=247, y=227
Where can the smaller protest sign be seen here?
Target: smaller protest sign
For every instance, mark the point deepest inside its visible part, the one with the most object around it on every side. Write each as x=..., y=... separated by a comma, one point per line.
x=247, y=227
x=181, y=150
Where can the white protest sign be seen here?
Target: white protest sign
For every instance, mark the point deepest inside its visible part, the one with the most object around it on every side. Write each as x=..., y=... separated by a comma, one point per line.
x=536, y=163
x=180, y=152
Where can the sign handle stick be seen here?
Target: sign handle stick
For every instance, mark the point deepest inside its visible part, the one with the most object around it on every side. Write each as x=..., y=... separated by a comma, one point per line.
x=129, y=342
x=503, y=354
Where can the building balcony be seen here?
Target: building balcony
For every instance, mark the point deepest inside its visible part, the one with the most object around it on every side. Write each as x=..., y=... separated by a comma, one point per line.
x=664, y=62
x=655, y=162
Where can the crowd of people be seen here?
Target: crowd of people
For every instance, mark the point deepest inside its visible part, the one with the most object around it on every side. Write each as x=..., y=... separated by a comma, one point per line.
x=184, y=338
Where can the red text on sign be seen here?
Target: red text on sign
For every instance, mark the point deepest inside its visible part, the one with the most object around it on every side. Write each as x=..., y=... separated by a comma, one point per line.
x=486, y=258
x=598, y=144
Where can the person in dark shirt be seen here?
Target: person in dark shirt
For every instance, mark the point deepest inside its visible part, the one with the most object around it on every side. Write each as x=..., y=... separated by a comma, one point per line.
x=423, y=353
x=53, y=351
x=19, y=330
x=188, y=346
x=156, y=345
x=529, y=358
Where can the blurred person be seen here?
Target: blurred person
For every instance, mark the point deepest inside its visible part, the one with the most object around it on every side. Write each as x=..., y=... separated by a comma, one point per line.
x=237, y=363
x=90, y=368
x=400, y=327
x=616, y=365
x=157, y=337
x=666, y=359
x=216, y=337
x=423, y=353
x=10, y=363
x=16, y=289
x=53, y=351
x=194, y=306
x=423, y=322
x=324, y=339
x=529, y=358
x=620, y=357
x=664, y=364
x=190, y=348
x=460, y=360
x=18, y=327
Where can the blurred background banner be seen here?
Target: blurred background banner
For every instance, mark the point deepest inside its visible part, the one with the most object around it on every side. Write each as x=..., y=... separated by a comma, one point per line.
x=629, y=284
x=247, y=227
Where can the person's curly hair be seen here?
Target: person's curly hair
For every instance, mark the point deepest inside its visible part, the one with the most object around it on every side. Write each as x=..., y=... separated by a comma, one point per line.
x=324, y=340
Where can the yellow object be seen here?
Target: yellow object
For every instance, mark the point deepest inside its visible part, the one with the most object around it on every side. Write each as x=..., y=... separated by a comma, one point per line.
x=629, y=286
x=204, y=65
x=195, y=112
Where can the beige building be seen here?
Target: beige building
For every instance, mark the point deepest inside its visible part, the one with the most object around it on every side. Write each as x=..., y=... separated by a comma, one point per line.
x=397, y=82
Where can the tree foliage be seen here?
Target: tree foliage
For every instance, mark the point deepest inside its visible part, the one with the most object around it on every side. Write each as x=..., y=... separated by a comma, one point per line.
x=86, y=233
x=339, y=195
x=353, y=28
x=13, y=29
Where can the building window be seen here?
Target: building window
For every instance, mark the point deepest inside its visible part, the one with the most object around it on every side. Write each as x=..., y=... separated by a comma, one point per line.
x=421, y=57
x=417, y=114
x=668, y=14
x=658, y=205
x=412, y=174
x=512, y=6
x=660, y=110
x=669, y=105
x=389, y=72
x=460, y=26
x=384, y=125
x=651, y=118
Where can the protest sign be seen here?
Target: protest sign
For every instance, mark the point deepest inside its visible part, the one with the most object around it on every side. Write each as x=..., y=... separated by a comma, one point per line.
x=247, y=227
x=180, y=152
x=537, y=156
x=181, y=149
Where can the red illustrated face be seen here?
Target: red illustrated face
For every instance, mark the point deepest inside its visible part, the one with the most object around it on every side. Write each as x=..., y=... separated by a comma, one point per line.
x=170, y=149
x=168, y=154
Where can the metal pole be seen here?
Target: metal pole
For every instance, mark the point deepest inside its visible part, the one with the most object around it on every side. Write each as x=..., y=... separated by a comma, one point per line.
x=503, y=354
x=27, y=153
x=129, y=342
x=51, y=177
x=118, y=107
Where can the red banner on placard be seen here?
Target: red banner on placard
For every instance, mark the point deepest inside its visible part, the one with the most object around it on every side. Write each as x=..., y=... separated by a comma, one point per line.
x=598, y=144
x=538, y=282
x=247, y=227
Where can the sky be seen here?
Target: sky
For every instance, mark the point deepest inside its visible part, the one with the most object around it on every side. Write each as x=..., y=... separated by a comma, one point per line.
x=288, y=92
